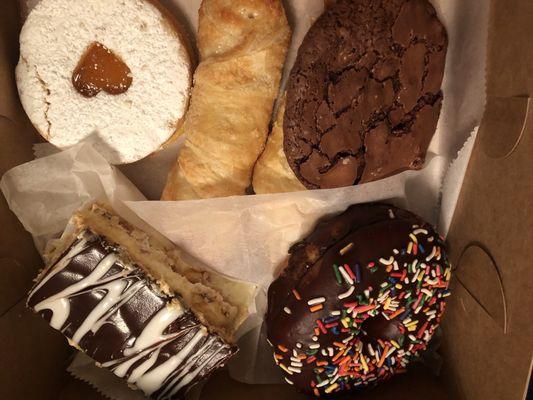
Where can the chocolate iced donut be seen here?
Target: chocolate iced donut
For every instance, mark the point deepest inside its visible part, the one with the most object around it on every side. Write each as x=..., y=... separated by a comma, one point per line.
x=364, y=95
x=359, y=300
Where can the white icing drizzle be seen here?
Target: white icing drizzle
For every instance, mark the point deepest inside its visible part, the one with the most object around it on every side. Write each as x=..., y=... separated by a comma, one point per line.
x=154, y=379
x=116, y=293
x=124, y=298
x=62, y=263
x=152, y=333
x=138, y=372
x=184, y=371
x=61, y=313
x=185, y=376
x=123, y=367
x=174, y=373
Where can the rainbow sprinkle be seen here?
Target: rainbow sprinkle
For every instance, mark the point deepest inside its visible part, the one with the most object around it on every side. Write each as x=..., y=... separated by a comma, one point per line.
x=346, y=249
x=334, y=357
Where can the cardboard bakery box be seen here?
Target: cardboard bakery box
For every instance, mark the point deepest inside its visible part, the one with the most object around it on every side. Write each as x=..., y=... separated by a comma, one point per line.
x=487, y=341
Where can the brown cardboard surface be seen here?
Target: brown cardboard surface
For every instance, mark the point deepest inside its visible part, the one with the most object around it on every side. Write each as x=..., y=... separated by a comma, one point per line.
x=475, y=262
x=417, y=384
x=495, y=215
x=504, y=125
x=14, y=277
x=493, y=226
x=421, y=386
x=76, y=389
x=15, y=147
x=9, y=28
x=510, y=55
x=33, y=357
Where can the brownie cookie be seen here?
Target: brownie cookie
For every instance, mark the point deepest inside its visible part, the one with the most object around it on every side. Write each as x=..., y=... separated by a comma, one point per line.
x=359, y=300
x=364, y=95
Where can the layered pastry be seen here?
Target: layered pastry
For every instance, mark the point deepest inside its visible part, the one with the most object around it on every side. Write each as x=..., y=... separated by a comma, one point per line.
x=360, y=299
x=115, y=73
x=363, y=98
x=242, y=48
x=137, y=306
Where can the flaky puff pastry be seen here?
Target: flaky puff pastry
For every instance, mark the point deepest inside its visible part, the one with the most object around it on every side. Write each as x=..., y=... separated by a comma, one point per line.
x=272, y=173
x=242, y=45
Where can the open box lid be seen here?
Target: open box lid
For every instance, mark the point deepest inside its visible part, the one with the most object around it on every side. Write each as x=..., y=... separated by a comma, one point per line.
x=488, y=328
x=24, y=361
x=489, y=323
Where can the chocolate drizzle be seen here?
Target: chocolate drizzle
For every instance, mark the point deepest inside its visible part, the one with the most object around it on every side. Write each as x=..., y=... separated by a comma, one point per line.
x=361, y=296
x=363, y=97
x=113, y=312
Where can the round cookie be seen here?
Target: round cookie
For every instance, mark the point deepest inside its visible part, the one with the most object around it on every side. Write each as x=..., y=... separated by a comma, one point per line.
x=359, y=300
x=364, y=97
x=116, y=73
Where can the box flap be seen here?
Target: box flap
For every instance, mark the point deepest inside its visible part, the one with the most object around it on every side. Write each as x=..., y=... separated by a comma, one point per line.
x=510, y=56
x=16, y=245
x=418, y=383
x=9, y=28
x=14, y=277
x=33, y=356
x=487, y=292
x=503, y=125
x=489, y=324
x=30, y=350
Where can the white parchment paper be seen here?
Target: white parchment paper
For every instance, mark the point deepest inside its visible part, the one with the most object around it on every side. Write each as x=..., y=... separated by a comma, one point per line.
x=248, y=237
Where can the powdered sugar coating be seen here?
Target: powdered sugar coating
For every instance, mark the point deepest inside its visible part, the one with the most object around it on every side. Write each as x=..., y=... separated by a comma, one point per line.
x=125, y=127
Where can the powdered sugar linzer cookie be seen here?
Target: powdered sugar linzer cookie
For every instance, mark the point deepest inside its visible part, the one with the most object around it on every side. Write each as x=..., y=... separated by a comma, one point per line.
x=117, y=73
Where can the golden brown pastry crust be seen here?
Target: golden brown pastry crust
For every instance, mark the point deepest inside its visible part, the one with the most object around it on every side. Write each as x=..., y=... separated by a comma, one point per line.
x=242, y=47
x=272, y=173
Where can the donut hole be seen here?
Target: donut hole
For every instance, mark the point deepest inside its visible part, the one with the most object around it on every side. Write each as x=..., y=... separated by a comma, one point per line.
x=379, y=327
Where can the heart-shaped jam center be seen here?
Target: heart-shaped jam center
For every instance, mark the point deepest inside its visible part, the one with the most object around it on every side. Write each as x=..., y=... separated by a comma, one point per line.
x=100, y=69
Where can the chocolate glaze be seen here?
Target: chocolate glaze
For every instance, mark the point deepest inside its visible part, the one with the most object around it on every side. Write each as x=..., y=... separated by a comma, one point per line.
x=113, y=338
x=364, y=97
x=364, y=234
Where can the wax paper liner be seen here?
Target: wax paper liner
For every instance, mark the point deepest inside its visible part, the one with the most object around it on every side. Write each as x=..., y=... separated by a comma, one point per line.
x=248, y=236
